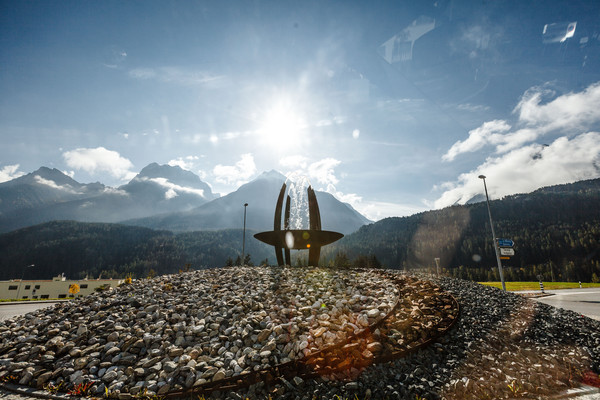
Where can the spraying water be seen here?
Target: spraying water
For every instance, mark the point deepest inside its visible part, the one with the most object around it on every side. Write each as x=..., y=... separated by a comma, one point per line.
x=299, y=212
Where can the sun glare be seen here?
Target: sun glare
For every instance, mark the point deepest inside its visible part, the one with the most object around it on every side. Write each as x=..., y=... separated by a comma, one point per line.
x=282, y=127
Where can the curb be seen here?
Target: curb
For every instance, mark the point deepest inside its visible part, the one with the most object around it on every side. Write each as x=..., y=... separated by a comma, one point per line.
x=12, y=303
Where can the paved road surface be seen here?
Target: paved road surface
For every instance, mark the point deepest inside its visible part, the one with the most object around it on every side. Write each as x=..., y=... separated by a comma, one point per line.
x=9, y=310
x=583, y=301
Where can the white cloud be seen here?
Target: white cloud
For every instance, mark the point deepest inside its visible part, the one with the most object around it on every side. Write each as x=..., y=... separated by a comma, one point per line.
x=236, y=174
x=567, y=114
x=489, y=132
x=528, y=168
x=572, y=110
x=70, y=174
x=173, y=189
x=54, y=185
x=376, y=210
x=142, y=73
x=355, y=133
x=186, y=163
x=169, y=194
x=119, y=192
x=177, y=75
x=10, y=172
x=323, y=171
x=100, y=160
x=472, y=107
x=294, y=162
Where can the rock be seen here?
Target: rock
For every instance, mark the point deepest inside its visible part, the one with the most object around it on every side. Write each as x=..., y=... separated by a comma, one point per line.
x=163, y=389
x=82, y=330
x=210, y=325
x=219, y=375
x=263, y=335
x=175, y=352
x=81, y=362
x=113, y=337
x=109, y=376
x=298, y=381
x=43, y=378
x=169, y=366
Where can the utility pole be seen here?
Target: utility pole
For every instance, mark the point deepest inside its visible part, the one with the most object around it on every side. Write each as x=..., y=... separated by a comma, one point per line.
x=494, y=235
x=244, y=235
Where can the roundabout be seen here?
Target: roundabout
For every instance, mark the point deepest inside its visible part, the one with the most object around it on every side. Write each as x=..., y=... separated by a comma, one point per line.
x=300, y=333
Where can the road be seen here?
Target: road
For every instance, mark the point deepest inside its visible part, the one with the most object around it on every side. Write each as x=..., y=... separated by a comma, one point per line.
x=583, y=301
x=9, y=310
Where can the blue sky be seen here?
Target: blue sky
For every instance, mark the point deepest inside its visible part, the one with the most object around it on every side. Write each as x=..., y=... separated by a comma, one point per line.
x=393, y=107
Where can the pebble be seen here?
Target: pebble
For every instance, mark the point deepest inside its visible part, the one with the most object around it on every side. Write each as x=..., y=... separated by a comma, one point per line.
x=183, y=330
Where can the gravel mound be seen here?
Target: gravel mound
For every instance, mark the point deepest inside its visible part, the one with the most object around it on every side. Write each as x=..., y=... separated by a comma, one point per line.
x=177, y=331
x=503, y=346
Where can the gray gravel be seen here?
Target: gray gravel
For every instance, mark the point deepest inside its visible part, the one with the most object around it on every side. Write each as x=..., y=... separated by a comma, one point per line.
x=167, y=333
x=501, y=340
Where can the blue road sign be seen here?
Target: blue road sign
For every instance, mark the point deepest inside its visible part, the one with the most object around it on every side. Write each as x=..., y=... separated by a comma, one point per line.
x=505, y=243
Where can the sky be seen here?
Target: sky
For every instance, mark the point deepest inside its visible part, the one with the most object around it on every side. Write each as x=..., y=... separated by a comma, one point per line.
x=393, y=107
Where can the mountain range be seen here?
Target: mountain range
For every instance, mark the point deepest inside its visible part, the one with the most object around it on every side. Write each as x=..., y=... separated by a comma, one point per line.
x=556, y=234
x=159, y=197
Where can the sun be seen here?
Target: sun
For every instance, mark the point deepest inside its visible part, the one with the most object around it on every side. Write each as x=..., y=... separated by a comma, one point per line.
x=283, y=127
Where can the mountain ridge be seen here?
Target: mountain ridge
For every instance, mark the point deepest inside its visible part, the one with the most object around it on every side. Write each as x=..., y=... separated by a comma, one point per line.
x=556, y=233
x=158, y=197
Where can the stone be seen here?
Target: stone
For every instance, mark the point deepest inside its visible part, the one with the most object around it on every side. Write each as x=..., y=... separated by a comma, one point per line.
x=219, y=375
x=109, y=376
x=113, y=337
x=263, y=335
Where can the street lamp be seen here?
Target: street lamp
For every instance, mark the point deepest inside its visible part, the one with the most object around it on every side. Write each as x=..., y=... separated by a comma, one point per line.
x=244, y=234
x=493, y=234
x=21, y=281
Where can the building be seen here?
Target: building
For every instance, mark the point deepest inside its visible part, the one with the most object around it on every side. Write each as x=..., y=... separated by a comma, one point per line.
x=55, y=288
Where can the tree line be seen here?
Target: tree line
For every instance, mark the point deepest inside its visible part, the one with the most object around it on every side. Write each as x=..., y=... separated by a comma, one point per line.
x=556, y=232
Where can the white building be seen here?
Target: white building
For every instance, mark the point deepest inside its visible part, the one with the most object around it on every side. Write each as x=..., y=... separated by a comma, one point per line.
x=55, y=288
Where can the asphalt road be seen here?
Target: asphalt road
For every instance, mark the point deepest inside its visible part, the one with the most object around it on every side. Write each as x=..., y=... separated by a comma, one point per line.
x=583, y=301
x=9, y=310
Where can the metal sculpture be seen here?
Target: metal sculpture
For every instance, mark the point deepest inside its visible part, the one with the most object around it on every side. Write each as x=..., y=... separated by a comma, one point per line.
x=312, y=238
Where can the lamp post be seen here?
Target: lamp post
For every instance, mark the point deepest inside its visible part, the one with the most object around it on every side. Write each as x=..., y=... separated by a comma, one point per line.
x=244, y=235
x=493, y=234
x=22, y=276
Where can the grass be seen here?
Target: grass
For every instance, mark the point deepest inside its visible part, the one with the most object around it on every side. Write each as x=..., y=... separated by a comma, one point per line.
x=514, y=286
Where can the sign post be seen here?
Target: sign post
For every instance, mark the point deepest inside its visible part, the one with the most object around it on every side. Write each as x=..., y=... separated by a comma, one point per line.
x=505, y=243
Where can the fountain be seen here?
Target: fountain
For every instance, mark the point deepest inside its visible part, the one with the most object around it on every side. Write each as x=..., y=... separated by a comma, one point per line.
x=301, y=223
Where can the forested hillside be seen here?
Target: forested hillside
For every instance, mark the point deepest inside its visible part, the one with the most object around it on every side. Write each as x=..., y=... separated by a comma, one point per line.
x=111, y=250
x=556, y=231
